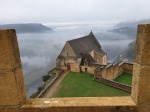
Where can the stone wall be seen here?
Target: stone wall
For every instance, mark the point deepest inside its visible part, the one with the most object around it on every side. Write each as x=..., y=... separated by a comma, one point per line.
x=90, y=69
x=74, y=67
x=141, y=71
x=69, y=63
x=114, y=84
x=99, y=57
x=67, y=50
x=58, y=71
x=112, y=71
x=50, y=84
x=12, y=89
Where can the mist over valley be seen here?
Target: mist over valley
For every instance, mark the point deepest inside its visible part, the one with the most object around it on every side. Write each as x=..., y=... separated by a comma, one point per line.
x=40, y=50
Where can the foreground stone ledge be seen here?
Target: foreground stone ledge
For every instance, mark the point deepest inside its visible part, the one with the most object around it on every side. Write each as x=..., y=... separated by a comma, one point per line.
x=79, y=101
x=84, y=104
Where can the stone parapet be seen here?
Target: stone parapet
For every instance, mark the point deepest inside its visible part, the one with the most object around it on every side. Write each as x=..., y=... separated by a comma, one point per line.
x=12, y=88
x=142, y=51
x=141, y=70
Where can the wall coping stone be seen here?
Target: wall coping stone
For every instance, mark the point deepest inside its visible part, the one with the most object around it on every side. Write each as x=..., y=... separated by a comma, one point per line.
x=78, y=101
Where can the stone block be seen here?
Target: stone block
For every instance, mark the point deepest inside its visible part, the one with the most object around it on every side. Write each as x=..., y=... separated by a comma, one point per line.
x=104, y=73
x=141, y=84
x=115, y=71
x=12, y=89
x=10, y=56
x=143, y=45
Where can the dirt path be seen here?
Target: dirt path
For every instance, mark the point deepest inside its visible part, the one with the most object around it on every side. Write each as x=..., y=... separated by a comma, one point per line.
x=52, y=89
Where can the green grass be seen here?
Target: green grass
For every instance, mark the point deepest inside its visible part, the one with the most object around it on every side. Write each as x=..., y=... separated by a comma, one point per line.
x=124, y=78
x=53, y=71
x=83, y=85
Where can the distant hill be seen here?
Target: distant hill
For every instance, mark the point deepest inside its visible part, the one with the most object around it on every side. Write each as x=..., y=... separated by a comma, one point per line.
x=131, y=23
x=128, y=28
x=128, y=31
x=27, y=28
x=129, y=53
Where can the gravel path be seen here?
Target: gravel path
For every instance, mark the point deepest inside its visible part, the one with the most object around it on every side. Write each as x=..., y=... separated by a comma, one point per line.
x=50, y=92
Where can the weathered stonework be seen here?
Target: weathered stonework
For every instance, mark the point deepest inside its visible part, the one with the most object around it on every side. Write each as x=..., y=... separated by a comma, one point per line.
x=12, y=89
x=67, y=51
x=143, y=45
x=141, y=71
x=90, y=69
x=74, y=68
x=112, y=71
x=81, y=52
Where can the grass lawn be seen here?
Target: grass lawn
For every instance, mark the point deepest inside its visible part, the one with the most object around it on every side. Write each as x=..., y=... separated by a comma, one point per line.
x=53, y=71
x=83, y=85
x=125, y=79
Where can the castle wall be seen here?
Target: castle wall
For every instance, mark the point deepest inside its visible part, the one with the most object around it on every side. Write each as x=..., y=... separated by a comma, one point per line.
x=109, y=72
x=112, y=71
x=12, y=88
x=89, y=69
x=128, y=68
x=104, y=58
x=116, y=70
x=141, y=71
x=72, y=62
x=114, y=84
x=74, y=67
x=103, y=73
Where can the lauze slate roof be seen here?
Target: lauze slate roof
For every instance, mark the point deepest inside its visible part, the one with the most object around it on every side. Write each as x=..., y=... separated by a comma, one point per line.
x=85, y=44
x=87, y=57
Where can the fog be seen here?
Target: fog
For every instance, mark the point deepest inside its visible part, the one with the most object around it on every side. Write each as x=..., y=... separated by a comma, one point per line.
x=54, y=11
x=40, y=50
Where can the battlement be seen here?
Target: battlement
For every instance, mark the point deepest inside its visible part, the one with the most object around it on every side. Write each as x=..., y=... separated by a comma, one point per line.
x=12, y=87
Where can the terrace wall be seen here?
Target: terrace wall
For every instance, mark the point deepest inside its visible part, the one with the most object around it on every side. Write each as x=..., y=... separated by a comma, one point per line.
x=112, y=71
x=114, y=84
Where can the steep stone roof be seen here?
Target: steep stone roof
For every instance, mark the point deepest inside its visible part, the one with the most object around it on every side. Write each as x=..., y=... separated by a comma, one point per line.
x=85, y=44
x=87, y=57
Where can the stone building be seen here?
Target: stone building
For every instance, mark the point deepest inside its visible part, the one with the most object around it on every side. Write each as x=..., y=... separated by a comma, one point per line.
x=81, y=54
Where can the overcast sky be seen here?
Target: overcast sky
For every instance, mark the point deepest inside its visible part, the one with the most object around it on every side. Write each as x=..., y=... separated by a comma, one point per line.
x=67, y=11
